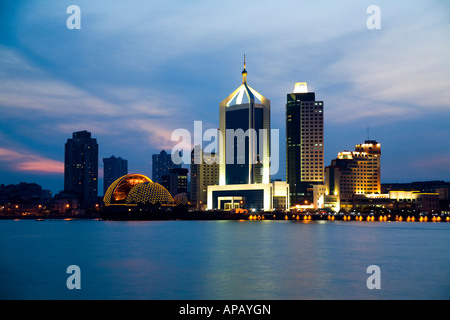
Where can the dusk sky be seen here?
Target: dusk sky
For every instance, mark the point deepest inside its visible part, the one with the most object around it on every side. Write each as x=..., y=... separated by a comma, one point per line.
x=137, y=70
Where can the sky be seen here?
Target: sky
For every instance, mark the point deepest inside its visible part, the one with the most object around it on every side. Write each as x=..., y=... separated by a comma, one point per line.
x=138, y=70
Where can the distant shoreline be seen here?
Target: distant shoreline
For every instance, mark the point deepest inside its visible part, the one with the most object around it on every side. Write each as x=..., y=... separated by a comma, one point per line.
x=224, y=215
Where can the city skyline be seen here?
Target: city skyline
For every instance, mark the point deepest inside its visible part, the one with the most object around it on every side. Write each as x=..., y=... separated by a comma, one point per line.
x=135, y=72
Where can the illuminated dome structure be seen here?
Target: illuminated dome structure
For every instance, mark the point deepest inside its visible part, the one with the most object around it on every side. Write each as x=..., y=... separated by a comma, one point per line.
x=136, y=190
x=181, y=199
x=149, y=193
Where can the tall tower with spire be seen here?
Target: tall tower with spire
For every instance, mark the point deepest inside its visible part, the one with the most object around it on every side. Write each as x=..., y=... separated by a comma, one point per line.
x=244, y=74
x=245, y=136
x=244, y=151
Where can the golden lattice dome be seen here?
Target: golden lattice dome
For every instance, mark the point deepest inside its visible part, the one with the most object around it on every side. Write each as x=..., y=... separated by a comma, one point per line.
x=136, y=189
x=149, y=193
x=181, y=199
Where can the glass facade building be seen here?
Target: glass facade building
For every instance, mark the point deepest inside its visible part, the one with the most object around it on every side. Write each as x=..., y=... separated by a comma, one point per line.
x=244, y=145
x=244, y=136
x=304, y=144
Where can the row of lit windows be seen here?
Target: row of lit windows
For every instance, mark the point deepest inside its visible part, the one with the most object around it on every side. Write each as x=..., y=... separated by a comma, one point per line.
x=419, y=199
x=311, y=108
x=312, y=121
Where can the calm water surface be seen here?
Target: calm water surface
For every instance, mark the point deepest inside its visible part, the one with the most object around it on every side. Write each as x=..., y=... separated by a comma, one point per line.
x=223, y=259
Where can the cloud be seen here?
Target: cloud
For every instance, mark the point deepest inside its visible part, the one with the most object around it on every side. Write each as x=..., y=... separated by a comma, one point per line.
x=54, y=106
x=404, y=67
x=138, y=70
x=26, y=87
x=23, y=161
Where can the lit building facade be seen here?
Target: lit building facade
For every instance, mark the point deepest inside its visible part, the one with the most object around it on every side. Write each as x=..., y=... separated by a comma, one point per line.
x=244, y=136
x=176, y=181
x=304, y=144
x=81, y=167
x=416, y=200
x=113, y=168
x=203, y=174
x=352, y=174
x=244, y=152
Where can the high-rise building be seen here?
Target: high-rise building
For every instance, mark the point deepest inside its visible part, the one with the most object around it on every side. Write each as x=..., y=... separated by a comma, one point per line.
x=176, y=181
x=244, y=153
x=203, y=174
x=304, y=144
x=161, y=165
x=81, y=167
x=351, y=174
x=113, y=169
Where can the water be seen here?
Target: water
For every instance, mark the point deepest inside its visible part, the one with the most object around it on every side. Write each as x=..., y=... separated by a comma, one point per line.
x=281, y=260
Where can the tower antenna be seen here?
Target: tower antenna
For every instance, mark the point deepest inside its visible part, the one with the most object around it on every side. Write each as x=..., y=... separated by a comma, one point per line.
x=244, y=73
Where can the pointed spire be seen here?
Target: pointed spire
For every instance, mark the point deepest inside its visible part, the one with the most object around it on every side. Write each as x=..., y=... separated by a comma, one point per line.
x=244, y=74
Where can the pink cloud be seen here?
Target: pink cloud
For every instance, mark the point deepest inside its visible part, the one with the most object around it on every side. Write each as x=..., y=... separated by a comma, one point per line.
x=21, y=161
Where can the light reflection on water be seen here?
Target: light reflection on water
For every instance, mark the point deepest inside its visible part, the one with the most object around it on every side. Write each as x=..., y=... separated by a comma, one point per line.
x=223, y=259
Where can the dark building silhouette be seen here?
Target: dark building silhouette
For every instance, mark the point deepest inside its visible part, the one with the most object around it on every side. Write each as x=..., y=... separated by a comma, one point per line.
x=81, y=167
x=176, y=181
x=161, y=165
x=23, y=199
x=304, y=144
x=23, y=193
x=113, y=169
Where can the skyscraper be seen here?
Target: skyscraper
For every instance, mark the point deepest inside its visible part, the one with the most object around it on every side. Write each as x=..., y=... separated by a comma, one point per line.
x=244, y=153
x=161, y=165
x=81, y=167
x=203, y=174
x=113, y=169
x=304, y=143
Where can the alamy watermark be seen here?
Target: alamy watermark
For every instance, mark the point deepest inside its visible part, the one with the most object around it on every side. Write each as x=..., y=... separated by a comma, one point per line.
x=238, y=145
x=74, y=20
x=74, y=280
x=374, y=20
x=374, y=280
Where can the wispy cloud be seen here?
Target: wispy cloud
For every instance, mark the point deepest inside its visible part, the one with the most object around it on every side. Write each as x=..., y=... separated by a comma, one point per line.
x=23, y=161
x=404, y=67
x=55, y=106
x=138, y=70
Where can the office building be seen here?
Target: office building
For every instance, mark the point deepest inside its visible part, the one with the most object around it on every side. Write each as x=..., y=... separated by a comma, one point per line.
x=304, y=144
x=81, y=167
x=176, y=181
x=244, y=152
x=161, y=165
x=203, y=174
x=113, y=169
x=351, y=174
x=244, y=136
